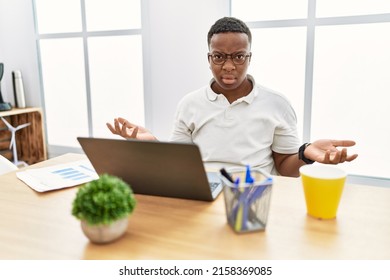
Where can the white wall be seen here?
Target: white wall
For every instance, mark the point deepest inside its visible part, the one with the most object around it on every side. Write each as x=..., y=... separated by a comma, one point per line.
x=18, y=50
x=178, y=55
x=175, y=49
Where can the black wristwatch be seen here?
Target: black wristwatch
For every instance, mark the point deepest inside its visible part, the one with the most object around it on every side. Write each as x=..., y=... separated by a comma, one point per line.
x=301, y=154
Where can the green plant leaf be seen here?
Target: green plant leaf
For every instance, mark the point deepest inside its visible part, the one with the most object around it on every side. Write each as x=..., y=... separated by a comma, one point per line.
x=104, y=200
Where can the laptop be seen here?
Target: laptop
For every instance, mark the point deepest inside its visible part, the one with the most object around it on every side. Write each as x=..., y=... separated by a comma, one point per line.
x=166, y=169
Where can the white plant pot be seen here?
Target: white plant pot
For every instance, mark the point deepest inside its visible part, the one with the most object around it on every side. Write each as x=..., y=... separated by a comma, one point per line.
x=105, y=233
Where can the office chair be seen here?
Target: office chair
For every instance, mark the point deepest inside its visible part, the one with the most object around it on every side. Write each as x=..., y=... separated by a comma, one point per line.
x=6, y=166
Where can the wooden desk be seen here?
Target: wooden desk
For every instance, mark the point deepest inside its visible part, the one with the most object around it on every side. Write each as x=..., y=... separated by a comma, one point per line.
x=40, y=226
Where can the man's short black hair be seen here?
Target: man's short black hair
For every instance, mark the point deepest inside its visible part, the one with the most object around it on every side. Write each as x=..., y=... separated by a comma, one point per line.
x=229, y=24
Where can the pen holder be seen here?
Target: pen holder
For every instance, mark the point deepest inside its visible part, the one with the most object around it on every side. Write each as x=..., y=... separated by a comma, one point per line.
x=247, y=205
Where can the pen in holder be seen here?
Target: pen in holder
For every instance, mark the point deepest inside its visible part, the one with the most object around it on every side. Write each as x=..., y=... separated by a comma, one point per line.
x=247, y=194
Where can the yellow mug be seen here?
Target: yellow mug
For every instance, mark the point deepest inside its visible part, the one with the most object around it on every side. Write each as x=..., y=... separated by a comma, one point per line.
x=323, y=186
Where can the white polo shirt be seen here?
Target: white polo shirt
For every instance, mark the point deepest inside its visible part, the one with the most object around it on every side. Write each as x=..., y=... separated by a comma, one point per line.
x=241, y=133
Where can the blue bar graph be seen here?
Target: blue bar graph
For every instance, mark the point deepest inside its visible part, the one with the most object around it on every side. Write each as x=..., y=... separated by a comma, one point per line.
x=72, y=174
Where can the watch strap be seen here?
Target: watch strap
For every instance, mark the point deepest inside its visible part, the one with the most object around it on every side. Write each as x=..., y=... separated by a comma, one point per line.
x=301, y=154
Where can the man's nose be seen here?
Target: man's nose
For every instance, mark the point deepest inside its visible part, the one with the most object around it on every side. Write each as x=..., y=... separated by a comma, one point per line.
x=229, y=65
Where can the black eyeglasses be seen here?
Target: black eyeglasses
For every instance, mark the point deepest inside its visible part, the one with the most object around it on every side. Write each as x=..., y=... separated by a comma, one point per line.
x=237, y=58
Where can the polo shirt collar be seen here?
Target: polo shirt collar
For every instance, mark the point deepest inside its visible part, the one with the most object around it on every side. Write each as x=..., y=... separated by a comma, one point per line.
x=212, y=96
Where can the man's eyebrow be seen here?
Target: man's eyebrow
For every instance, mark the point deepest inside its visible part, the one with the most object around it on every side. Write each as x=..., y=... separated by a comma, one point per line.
x=237, y=52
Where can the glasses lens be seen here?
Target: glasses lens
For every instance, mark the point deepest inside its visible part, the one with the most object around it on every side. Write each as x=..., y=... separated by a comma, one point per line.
x=218, y=58
x=239, y=58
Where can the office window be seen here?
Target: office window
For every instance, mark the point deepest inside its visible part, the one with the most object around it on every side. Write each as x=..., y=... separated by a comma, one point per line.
x=57, y=16
x=350, y=88
x=64, y=83
x=332, y=8
x=116, y=80
x=100, y=14
x=278, y=62
x=92, y=67
x=255, y=10
x=343, y=93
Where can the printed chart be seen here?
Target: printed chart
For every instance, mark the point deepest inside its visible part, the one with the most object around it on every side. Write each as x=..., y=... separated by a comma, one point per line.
x=58, y=176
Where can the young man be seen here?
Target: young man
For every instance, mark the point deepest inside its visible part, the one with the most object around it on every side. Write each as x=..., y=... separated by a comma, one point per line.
x=235, y=121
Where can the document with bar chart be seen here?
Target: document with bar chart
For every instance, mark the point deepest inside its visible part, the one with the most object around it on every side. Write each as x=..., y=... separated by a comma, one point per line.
x=58, y=176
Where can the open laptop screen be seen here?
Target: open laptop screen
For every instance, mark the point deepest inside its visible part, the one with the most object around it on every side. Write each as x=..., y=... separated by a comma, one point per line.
x=153, y=168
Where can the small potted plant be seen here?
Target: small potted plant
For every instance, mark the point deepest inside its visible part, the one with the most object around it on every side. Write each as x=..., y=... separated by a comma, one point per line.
x=103, y=207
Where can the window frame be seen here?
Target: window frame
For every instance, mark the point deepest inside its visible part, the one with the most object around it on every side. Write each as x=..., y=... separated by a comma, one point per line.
x=311, y=22
x=84, y=34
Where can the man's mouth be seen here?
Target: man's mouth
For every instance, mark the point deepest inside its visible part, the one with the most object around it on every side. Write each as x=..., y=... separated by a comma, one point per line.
x=228, y=79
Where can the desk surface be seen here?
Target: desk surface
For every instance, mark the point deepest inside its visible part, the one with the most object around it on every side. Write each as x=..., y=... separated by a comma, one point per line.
x=40, y=226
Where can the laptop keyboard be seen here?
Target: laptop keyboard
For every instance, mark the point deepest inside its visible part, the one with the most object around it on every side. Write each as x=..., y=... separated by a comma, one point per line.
x=214, y=185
